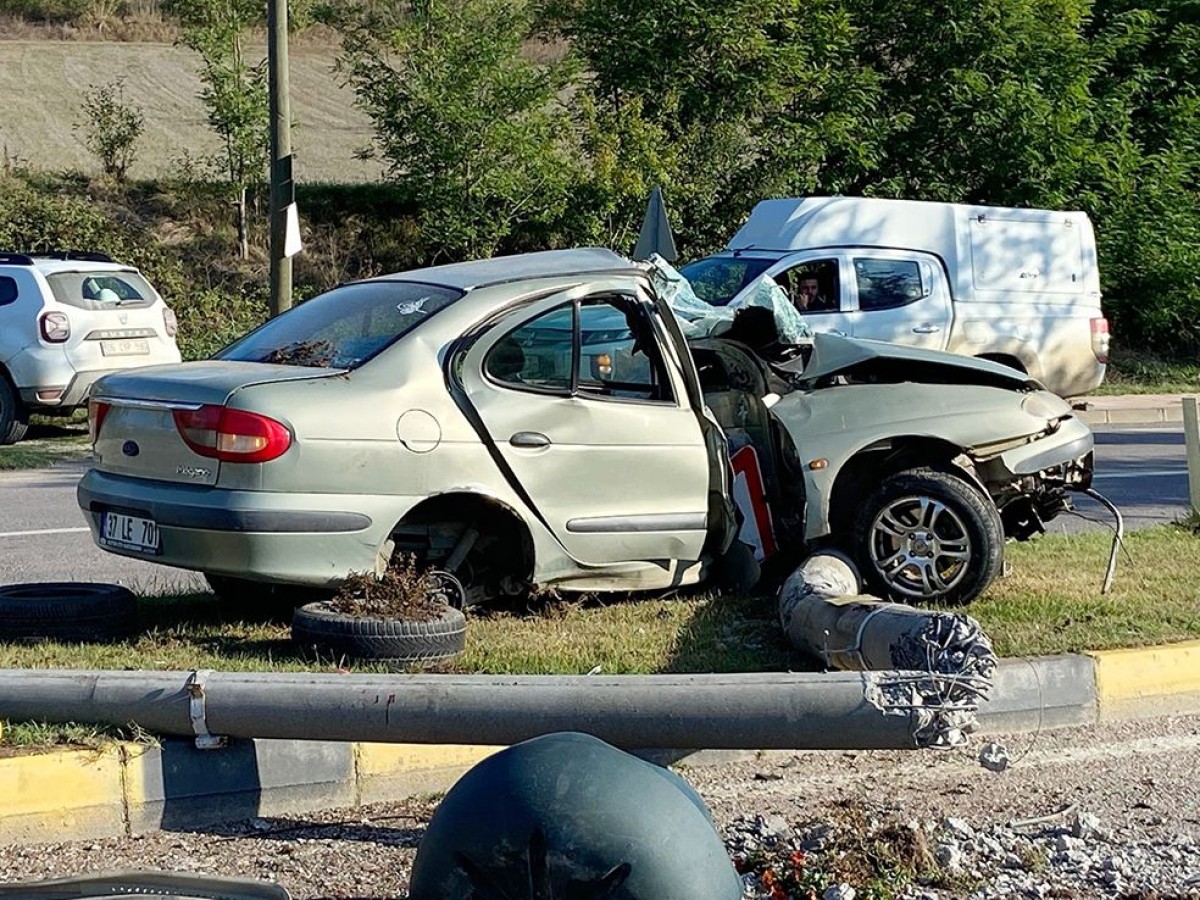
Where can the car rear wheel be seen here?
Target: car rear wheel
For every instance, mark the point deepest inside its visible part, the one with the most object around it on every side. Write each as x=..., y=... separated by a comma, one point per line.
x=14, y=418
x=928, y=536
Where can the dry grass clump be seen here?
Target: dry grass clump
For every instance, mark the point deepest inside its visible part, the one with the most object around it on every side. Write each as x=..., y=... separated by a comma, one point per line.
x=406, y=591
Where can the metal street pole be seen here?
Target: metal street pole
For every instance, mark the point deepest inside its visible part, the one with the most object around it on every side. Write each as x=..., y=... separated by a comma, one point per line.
x=283, y=194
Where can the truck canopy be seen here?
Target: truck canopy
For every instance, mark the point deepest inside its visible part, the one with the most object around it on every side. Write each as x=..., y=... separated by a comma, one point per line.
x=989, y=252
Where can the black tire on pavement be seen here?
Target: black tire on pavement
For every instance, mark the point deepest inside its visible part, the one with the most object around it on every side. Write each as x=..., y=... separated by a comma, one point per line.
x=67, y=611
x=928, y=536
x=14, y=418
x=318, y=629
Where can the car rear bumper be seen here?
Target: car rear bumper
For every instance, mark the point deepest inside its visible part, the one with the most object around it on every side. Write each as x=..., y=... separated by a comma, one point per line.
x=315, y=539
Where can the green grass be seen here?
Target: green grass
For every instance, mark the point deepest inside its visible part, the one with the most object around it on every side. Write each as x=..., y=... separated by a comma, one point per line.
x=1049, y=603
x=1146, y=372
x=49, y=441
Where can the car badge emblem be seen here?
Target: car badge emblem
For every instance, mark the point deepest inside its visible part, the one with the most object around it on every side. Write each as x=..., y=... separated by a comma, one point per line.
x=124, y=317
x=130, y=448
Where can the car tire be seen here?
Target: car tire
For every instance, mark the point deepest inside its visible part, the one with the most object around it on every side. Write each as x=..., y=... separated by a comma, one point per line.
x=67, y=611
x=321, y=631
x=14, y=419
x=928, y=536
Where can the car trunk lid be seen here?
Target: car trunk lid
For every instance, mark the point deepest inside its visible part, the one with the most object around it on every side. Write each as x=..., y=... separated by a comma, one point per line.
x=140, y=412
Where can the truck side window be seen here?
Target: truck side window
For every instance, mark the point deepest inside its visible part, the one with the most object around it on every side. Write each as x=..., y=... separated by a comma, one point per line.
x=8, y=290
x=812, y=286
x=887, y=283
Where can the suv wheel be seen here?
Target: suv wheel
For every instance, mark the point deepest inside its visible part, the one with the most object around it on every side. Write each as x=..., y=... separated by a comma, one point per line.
x=929, y=536
x=14, y=420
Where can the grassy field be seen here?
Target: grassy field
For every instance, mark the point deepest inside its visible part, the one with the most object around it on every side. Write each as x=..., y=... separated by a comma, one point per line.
x=43, y=83
x=1145, y=372
x=46, y=444
x=1049, y=603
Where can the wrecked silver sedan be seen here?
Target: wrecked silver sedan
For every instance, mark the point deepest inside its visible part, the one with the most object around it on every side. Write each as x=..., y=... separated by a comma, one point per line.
x=543, y=420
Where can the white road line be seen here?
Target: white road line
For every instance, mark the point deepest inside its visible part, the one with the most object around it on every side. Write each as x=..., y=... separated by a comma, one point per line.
x=1153, y=473
x=37, y=531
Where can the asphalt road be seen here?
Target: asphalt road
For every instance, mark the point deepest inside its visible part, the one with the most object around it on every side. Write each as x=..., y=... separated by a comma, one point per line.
x=43, y=536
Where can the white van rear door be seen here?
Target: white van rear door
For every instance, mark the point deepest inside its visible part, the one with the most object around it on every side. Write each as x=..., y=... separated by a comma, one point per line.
x=900, y=297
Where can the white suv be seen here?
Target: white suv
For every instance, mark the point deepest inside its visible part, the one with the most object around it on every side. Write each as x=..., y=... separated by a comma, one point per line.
x=66, y=318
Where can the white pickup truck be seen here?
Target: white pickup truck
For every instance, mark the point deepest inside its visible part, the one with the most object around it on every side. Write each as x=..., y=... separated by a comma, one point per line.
x=1018, y=286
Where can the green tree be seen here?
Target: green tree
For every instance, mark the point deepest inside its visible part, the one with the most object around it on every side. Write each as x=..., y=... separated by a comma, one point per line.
x=113, y=127
x=235, y=90
x=722, y=102
x=470, y=127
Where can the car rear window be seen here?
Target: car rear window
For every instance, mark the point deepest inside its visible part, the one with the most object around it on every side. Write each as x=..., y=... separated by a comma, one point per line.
x=718, y=279
x=101, y=290
x=343, y=328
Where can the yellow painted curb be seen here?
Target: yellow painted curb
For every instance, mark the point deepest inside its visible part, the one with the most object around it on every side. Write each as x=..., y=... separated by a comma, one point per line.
x=394, y=771
x=1160, y=676
x=75, y=792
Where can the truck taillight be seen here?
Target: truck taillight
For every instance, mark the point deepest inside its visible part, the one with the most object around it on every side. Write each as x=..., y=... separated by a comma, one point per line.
x=170, y=323
x=55, y=327
x=232, y=435
x=1100, y=339
x=97, y=410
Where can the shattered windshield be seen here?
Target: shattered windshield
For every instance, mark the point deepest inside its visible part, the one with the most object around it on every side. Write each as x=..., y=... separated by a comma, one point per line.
x=718, y=279
x=343, y=328
x=699, y=317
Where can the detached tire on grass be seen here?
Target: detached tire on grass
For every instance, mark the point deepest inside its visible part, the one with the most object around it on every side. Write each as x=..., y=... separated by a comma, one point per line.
x=67, y=611
x=318, y=628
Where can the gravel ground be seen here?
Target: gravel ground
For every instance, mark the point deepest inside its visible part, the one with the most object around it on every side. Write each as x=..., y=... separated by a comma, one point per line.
x=1078, y=813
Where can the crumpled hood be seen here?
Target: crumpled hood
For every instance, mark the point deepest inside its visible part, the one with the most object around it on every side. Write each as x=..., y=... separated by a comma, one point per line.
x=833, y=355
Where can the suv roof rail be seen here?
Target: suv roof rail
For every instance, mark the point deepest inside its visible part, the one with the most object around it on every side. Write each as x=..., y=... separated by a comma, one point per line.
x=86, y=255
x=15, y=259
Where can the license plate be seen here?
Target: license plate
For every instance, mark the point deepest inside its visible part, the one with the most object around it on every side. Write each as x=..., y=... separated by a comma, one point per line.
x=122, y=532
x=128, y=347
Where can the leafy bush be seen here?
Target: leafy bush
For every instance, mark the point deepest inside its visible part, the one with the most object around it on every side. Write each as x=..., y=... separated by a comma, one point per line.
x=113, y=127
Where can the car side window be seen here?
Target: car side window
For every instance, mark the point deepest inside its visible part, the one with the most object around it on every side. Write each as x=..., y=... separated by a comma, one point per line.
x=599, y=347
x=538, y=355
x=620, y=355
x=8, y=290
x=813, y=286
x=887, y=283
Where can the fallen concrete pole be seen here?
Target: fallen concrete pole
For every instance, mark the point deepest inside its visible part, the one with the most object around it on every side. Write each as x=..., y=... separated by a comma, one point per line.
x=950, y=660
x=837, y=710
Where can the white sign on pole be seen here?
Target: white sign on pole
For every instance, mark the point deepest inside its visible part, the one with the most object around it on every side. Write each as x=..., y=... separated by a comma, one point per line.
x=291, y=239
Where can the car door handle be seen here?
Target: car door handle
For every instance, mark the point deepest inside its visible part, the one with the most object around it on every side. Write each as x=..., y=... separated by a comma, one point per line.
x=835, y=331
x=926, y=329
x=533, y=439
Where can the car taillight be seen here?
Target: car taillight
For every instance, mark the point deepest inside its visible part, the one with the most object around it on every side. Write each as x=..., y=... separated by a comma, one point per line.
x=232, y=435
x=170, y=322
x=97, y=410
x=55, y=327
x=1100, y=339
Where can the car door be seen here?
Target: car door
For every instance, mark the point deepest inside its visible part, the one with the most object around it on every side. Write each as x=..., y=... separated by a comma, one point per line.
x=901, y=297
x=592, y=423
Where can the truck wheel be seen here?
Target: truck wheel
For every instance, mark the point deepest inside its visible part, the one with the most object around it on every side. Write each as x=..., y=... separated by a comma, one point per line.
x=14, y=419
x=928, y=536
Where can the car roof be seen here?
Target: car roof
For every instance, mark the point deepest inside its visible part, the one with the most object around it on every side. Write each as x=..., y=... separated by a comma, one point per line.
x=520, y=267
x=53, y=266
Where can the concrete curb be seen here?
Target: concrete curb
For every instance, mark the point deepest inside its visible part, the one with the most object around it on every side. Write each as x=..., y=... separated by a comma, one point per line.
x=1130, y=409
x=127, y=789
